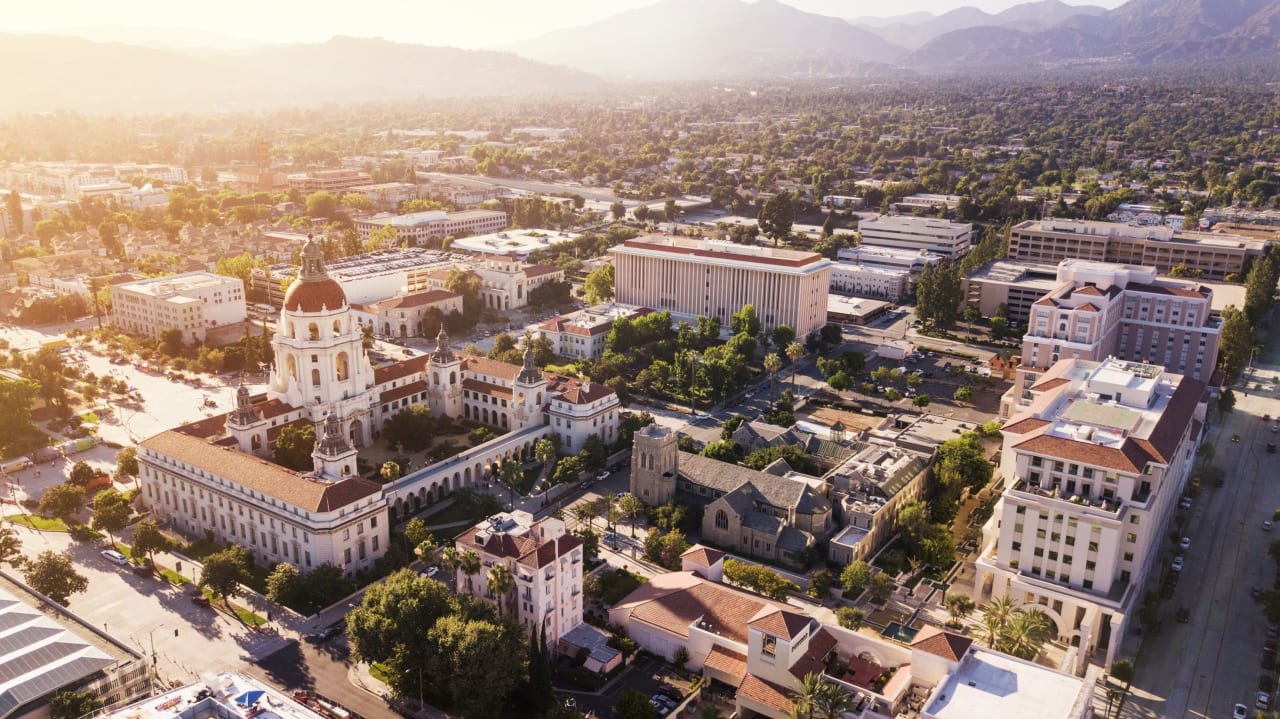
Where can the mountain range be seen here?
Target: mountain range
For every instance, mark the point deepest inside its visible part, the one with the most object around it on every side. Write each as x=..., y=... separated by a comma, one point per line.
x=114, y=77
x=684, y=40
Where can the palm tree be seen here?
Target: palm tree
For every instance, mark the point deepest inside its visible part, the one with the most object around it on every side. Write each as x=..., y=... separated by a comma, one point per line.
x=772, y=363
x=958, y=606
x=450, y=558
x=1122, y=671
x=794, y=352
x=804, y=700
x=832, y=701
x=470, y=565
x=1027, y=633
x=510, y=474
x=545, y=452
x=501, y=582
x=427, y=550
x=631, y=506
x=586, y=512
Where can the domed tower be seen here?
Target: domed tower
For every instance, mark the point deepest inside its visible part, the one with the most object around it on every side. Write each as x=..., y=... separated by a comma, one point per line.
x=530, y=391
x=319, y=352
x=334, y=457
x=444, y=379
x=655, y=458
x=246, y=424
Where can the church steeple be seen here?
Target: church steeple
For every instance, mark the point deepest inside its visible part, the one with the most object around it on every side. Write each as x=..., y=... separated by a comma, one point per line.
x=244, y=413
x=529, y=374
x=442, y=355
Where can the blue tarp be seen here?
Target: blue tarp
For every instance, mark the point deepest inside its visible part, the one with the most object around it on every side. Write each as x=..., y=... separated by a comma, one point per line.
x=249, y=698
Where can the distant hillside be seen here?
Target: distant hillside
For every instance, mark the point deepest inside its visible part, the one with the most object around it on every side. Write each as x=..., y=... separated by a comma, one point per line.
x=1026, y=17
x=712, y=39
x=112, y=77
x=1138, y=32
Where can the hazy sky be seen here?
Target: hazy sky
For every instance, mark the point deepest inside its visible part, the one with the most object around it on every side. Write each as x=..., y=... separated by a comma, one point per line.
x=461, y=23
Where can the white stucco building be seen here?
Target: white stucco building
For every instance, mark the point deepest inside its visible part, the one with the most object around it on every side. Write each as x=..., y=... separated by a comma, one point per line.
x=423, y=228
x=544, y=560
x=1095, y=459
x=192, y=302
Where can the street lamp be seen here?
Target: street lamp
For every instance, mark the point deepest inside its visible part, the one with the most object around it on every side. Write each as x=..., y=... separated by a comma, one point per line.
x=151, y=637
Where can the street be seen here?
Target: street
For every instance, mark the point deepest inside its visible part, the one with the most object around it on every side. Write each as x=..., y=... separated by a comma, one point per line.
x=1203, y=667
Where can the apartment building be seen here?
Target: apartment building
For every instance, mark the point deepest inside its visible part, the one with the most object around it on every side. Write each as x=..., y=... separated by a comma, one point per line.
x=422, y=228
x=328, y=180
x=192, y=302
x=544, y=560
x=711, y=278
x=1214, y=254
x=920, y=234
x=1095, y=459
x=1101, y=310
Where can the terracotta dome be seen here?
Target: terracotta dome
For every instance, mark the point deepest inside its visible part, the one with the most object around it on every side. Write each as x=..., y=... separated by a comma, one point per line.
x=314, y=296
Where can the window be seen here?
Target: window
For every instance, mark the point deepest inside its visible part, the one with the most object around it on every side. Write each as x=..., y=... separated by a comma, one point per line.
x=722, y=520
x=769, y=646
x=1128, y=556
x=1130, y=537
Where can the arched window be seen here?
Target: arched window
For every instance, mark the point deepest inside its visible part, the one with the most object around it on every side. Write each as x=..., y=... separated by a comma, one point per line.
x=337, y=328
x=453, y=378
x=722, y=520
x=292, y=364
x=293, y=331
x=343, y=367
x=315, y=378
x=313, y=331
x=435, y=378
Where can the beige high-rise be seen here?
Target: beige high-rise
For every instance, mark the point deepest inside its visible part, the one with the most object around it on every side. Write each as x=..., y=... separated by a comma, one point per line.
x=712, y=278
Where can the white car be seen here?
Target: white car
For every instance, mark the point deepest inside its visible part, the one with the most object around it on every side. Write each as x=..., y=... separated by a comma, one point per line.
x=114, y=556
x=602, y=474
x=1185, y=544
x=1240, y=712
x=1264, y=700
x=1177, y=563
x=1266, y=525
x=432, y=571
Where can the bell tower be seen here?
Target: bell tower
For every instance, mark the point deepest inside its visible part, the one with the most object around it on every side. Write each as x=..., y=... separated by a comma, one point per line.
x=655, y=460
x=333, y=456
x=530, y=390
x=444, y=380
x=246, y=425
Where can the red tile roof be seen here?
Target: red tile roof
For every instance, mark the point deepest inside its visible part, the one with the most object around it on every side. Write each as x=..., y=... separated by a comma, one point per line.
x=419, y=299
x=576, y=391
x=814, y=660
x=1022, y=426
x=1088, y=307
x=493, y=390
x=259, y=475
x=492, y=368
x=943, y=644
x=1084, y=452
x=1174, y=290
x=539, y=270
x=785, y=624
x=703, y=556
x=766, y=693
x=1048, y=384
x=727, y=662
x=403, y=391
x=404, y=368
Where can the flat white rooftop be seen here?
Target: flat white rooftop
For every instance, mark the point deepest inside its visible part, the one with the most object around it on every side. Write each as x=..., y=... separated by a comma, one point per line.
x=508, y=242
x=988, y=684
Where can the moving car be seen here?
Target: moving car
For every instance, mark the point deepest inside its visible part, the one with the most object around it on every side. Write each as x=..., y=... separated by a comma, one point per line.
x=1185, y=503
x=602, y=474
x=1183, y=615
x=114, y=556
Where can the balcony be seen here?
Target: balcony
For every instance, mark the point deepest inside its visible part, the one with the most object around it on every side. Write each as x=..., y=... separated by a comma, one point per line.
x=1110, y=508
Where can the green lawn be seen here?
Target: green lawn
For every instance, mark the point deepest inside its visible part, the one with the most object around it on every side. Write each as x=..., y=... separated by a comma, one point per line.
x=44, y=524
x=378, y=671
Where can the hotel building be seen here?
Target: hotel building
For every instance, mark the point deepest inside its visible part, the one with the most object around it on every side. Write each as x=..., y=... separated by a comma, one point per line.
x=1101, y=310
x=716, y=279
x=1095, y=461
x=1053, y=240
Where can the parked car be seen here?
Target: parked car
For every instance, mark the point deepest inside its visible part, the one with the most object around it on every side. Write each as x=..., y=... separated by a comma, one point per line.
x=1177, y=564
x=1185, y=544
x=114, y=556
x=670, y=692
x=1240, y=712
x=1185, y=503
x=602, y=474
x=199, y=598
x=1266, y=525
x=325, y=634
x=1183, y=615
x=432, y=571
x=1263, y=701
